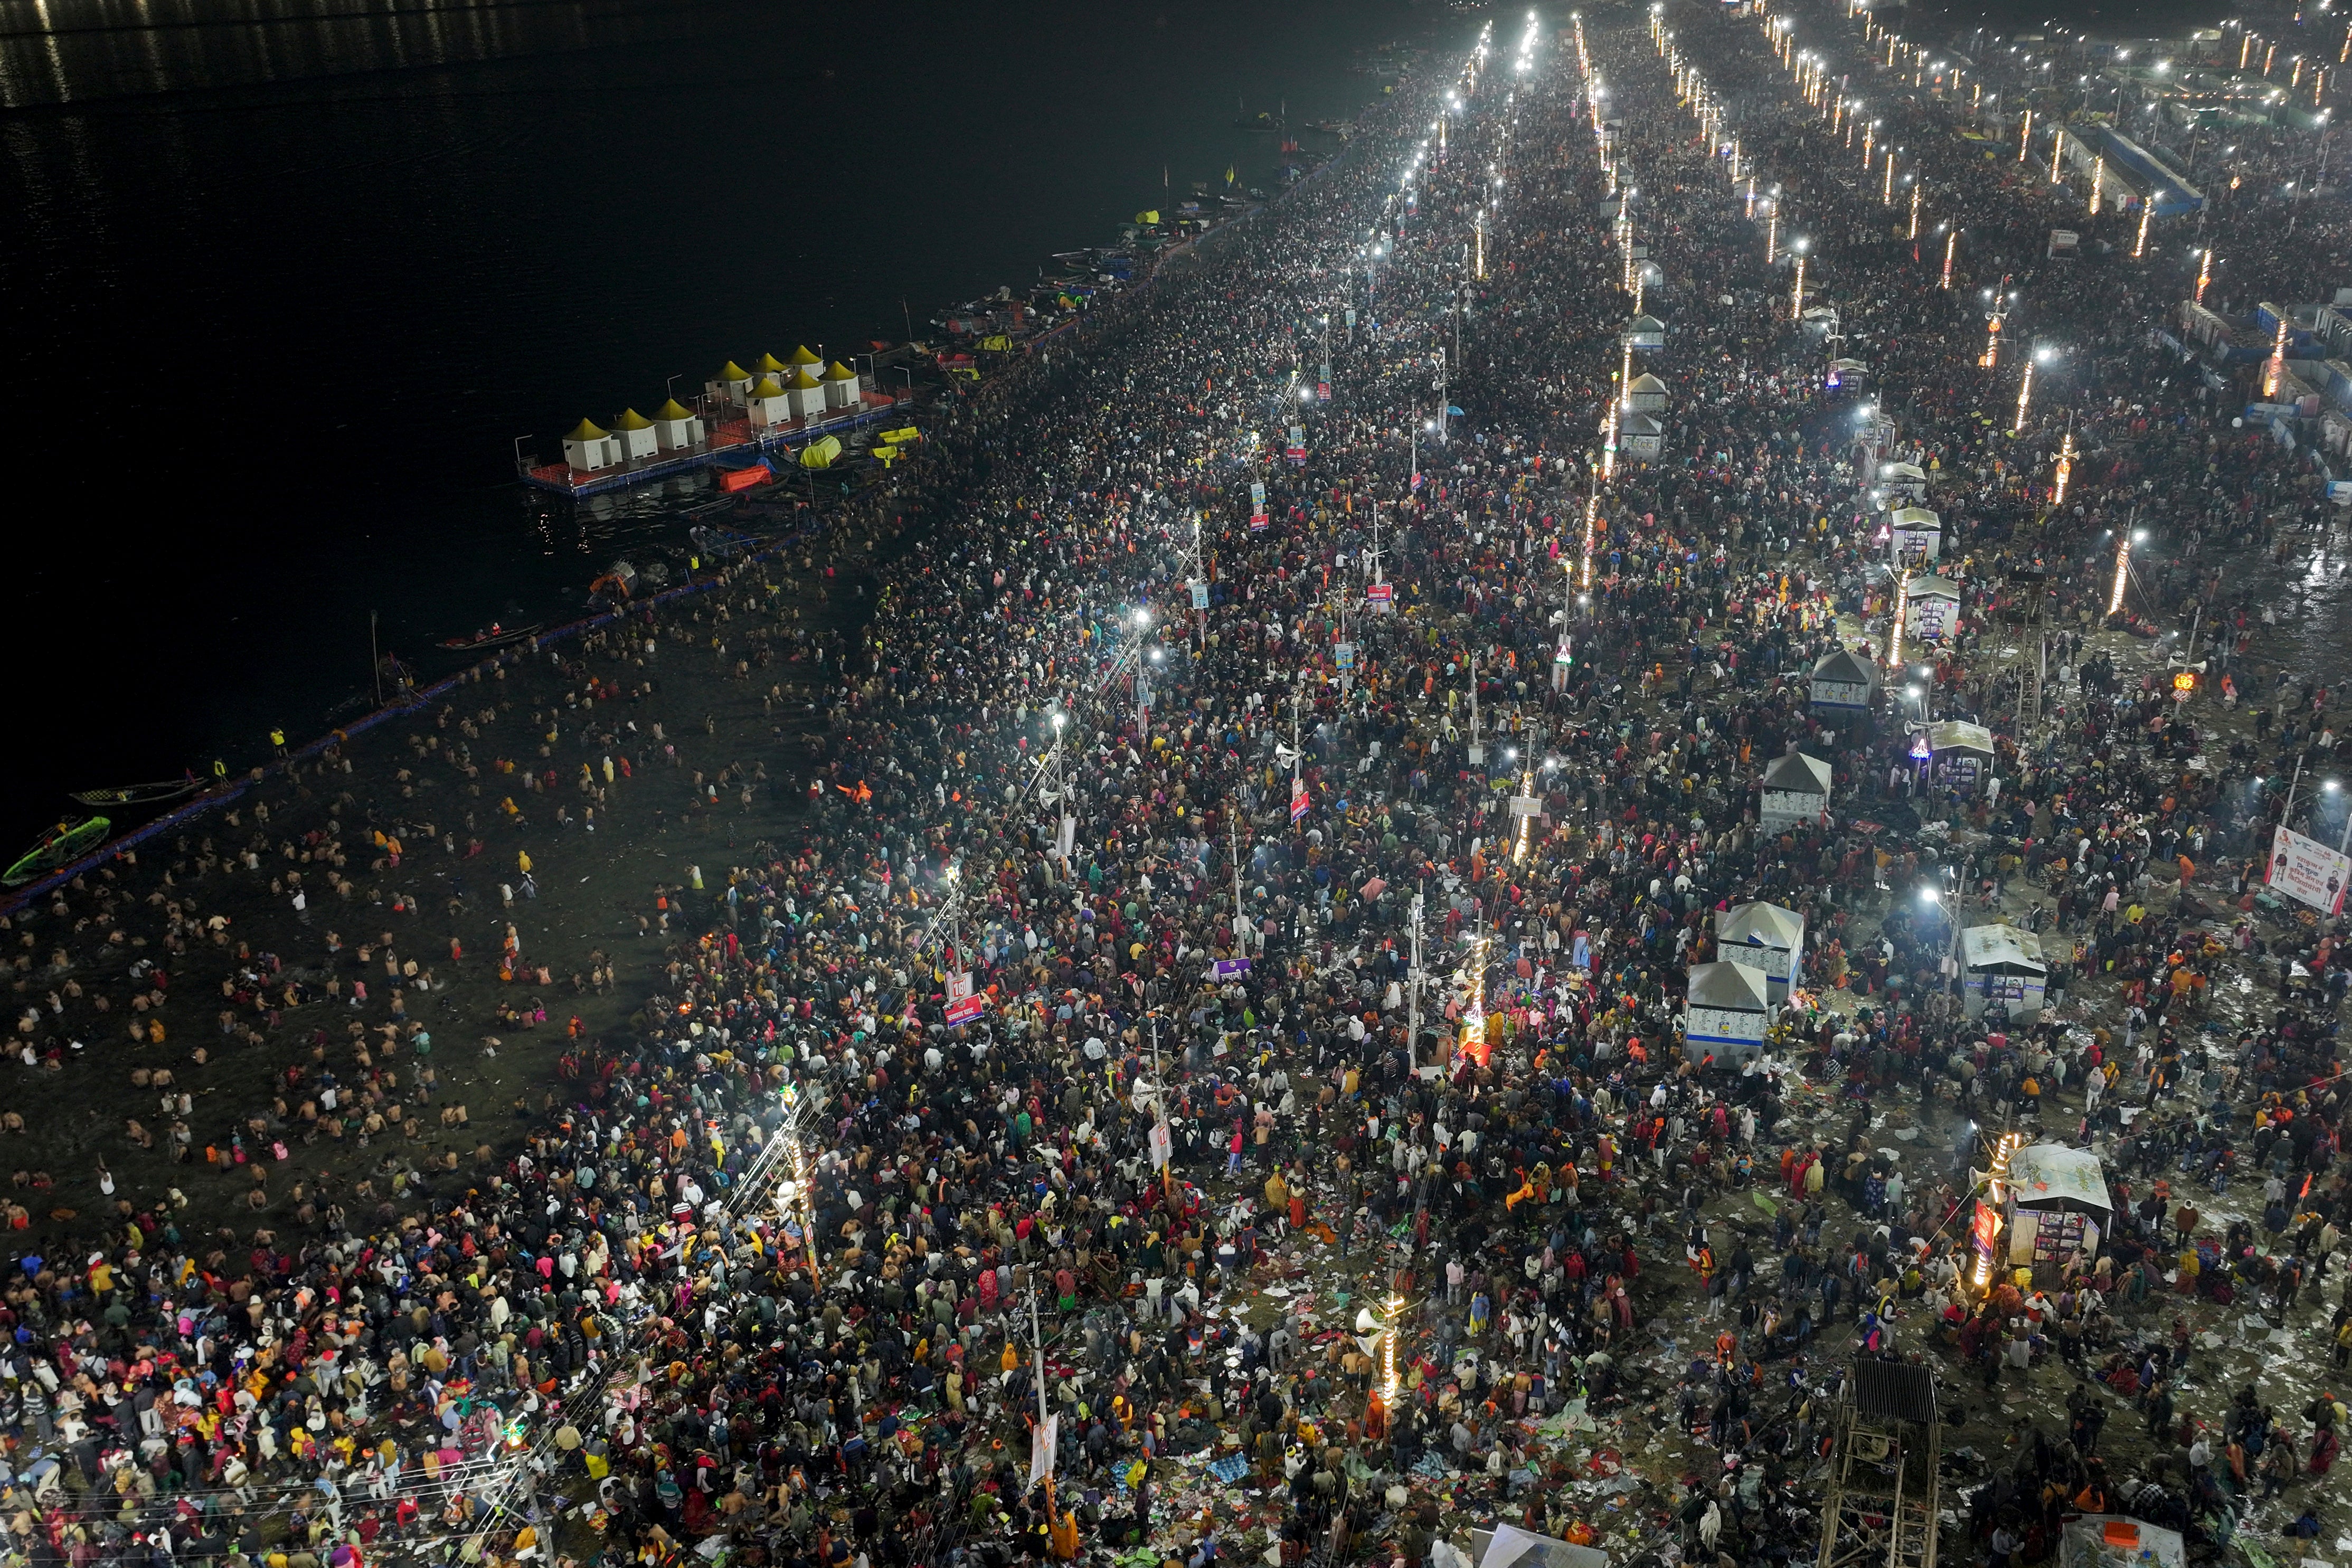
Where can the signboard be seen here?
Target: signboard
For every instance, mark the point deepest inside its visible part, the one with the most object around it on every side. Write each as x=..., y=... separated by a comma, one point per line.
x=1724, y=1026
x=1351, y=318
x=959, y=986
x=1322, y=392
x=1161, y=1144
x=1343, y=654
x=2309, y=871
x=1297, y=799
x=1257, y=507
x=2063, y=242
x=1381, y=596
x=1984, y=1234
x=1527, y=805
x=965, y=1011
x=1230, y=968
x=1200, y=594
x=1296, y=451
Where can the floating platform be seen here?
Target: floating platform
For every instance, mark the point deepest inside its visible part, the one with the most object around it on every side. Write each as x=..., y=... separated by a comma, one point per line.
x=730, y=440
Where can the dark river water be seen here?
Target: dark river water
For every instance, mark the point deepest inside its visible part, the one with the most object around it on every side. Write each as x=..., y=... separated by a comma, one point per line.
x=281, y=282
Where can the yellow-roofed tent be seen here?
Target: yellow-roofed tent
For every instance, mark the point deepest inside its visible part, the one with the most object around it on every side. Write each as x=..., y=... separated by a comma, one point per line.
x=771, y=365
x=589, y=448
x=840, y=386
x=635, y=434
x=767, y=404
x=821, y=454
x=801, y=355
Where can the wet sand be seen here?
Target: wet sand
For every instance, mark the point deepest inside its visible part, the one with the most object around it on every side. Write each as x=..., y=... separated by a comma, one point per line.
x=260, y=991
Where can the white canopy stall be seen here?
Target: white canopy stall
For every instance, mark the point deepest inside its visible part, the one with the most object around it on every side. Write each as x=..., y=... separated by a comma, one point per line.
x=1796, y=789
x=1766, y=938
x=1913, y=534
x=2003, y=971
x=1729, y=1010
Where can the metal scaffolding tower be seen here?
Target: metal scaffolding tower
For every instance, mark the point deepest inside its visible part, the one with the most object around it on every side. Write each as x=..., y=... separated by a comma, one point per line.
x=1886, y=1447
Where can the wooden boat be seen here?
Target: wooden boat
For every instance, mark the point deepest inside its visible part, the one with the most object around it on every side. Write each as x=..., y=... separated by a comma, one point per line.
x=496, y=637
x=56, y=848
x=139, y=793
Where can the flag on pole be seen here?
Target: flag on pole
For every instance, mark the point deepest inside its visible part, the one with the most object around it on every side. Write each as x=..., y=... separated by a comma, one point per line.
x=1297, y=799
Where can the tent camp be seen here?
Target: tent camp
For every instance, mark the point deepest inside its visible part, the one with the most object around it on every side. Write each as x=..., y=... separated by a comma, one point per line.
x=2003, y=971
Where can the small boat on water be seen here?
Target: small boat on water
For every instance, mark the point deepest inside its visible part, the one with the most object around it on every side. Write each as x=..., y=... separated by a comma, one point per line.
x=495, y=635
x=58, y=846
x=139, y=793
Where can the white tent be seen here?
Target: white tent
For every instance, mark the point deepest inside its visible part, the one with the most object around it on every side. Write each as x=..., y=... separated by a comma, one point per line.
x=840, y=388
x=1766, y=938
x=1931, y=608
x=768, y=405
x=676, y=428
x=806, y=395
x=1908, y=481
x=1914, y=534
x=634, y=432
x=1645, y=393
x=1796, y=789
x=1728, y=1013
x=1647, y=332
x=2003, y=971
x=2055, y=1199
x=1960, y=752
x=590, y=447
x=1645, y=437
x=1843, y=684
x=1510, y=1547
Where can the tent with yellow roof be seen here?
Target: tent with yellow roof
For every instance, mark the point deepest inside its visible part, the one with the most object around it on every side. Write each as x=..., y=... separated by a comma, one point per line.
x=806, y=393
x=635, y=434
x=590, y=447
x=732, y=382
x=840, y=387
x=769, y=403
x=677, y=429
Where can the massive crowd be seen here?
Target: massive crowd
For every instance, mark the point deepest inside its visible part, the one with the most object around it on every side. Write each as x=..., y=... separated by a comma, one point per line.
x=787, y=1271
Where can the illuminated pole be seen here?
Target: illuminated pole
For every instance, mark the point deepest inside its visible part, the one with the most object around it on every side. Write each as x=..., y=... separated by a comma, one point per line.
x=1894, y=628
x=2204, y=274
x=2123, y=566
x=2244, y=45
x=2139, y=245
x=1478, y=269
x=2057, y=146
x=1887, y=197
x=1592, y=520
x=1772, y=234
x=1914, y=209
x=1948, y=247
x=2025, y=136
x=1992, y=342
x=1797, y=299
x=2024, y=396
x=2275, y=371
x=2065, y=468
x=2098, y=182
x=1751, y=196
